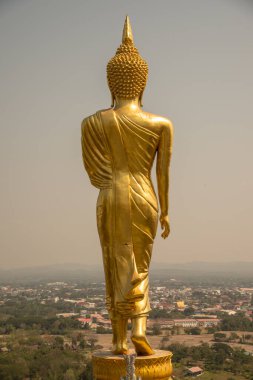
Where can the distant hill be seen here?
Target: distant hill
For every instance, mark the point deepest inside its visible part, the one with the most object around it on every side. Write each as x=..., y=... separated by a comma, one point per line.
x=56, y=272
x=209, y=267
x=198, y=271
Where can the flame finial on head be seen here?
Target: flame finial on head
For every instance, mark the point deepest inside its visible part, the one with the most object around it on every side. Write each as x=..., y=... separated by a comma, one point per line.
x=127, y=31
x=127, y=71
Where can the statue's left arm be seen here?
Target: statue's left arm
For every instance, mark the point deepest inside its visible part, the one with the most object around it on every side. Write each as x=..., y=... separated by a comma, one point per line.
x=95, y=155
x=164, y=152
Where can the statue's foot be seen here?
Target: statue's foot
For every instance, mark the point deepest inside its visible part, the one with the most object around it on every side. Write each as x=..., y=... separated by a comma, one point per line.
x=139, y=339
x=120, y=348
x=142, y=346
x=120, y=336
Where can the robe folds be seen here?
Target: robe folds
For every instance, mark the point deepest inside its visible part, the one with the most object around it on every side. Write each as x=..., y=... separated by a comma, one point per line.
x=118, y=155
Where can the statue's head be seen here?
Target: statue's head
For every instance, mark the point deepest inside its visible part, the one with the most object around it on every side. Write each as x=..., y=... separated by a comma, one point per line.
x=127, y=71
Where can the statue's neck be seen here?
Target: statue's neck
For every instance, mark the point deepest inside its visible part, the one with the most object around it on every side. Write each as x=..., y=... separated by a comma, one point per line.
x=132, y=104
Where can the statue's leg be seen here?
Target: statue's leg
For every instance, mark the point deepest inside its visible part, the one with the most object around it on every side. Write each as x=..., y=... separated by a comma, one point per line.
x=107, y=253
x=120, y=346
x=143, y=252
x=139, y=339
x=114, y=334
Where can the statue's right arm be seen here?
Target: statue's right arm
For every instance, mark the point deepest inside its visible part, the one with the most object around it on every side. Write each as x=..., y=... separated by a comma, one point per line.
x=164, y=152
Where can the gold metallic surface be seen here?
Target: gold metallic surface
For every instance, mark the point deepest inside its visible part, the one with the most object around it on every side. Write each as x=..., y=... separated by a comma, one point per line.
x=119, y=147
x=127, y=71
x=111, y=367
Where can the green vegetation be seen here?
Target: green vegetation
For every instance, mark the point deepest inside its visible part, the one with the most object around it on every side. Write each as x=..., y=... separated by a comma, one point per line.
x=219, y=337
x=156, y=329
x=220, y=375
x=193, y=331
x=32, y=315
x=174, y=314
x=236, y=322
x=216, y=358
x=32, y=356
x=37, y=344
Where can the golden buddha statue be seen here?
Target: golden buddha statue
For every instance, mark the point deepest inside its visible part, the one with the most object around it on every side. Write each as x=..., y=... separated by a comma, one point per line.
x=119, y=146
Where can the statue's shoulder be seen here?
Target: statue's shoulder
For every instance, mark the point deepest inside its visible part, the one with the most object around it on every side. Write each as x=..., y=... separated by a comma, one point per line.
x=159, y=122
x=94, y=118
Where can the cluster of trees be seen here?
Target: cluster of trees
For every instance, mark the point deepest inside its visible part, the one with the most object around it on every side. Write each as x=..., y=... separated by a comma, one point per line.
x=219, y=356
x=38, y=345
x=103, y=330
x=237, y=322
x=233, y=337
x=33, y=356
x=25, y=314
x=45, y=362
x=21, y=306
x=53, y=325
x=174, y=314
x=157, y=313
x=193, y=331
x=156, y=329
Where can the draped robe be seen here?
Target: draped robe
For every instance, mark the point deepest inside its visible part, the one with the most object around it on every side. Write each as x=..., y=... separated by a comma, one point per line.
x=118, y=155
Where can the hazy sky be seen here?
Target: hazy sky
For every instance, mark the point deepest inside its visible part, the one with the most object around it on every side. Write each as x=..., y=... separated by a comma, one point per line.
x=53, y=74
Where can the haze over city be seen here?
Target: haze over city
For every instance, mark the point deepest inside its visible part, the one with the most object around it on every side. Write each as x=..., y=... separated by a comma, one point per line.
x=53, y=74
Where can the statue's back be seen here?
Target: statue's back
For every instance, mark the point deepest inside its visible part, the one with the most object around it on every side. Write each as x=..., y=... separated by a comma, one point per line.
x=119, y=147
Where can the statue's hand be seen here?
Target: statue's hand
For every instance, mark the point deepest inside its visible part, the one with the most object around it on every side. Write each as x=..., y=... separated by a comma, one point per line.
x=165, y=225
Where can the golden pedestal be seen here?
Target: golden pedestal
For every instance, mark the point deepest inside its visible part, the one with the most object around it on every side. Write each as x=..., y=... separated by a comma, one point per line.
x=107, y=366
